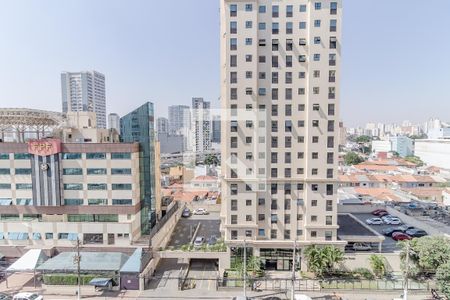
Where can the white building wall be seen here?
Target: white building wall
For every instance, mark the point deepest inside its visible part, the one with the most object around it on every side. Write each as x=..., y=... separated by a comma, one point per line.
x=434, y=152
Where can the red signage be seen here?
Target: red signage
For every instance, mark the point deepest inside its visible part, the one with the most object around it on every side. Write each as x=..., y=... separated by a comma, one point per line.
x=44, y=147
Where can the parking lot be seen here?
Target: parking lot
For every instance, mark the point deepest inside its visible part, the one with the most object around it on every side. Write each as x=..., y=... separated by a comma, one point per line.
x=204, y=273
x=389, y=245
x=183, y=232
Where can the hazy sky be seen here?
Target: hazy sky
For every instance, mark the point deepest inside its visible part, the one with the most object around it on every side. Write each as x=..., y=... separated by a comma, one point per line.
x=396, y=54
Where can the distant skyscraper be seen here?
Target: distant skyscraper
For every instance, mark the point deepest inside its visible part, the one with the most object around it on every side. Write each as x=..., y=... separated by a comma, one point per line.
x=216, y=129
x=201, y=124
x=162, y=126
x=179, y=118
x=84, y=91
x=138, y=126
x=114, y=122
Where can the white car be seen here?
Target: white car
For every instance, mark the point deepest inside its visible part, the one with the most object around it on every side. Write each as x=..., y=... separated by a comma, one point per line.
x=27, y=296
x=393, y=221
x=374, y=221
x=199, y=241
x=302, y=297
x=362, y=247
x=200, y=211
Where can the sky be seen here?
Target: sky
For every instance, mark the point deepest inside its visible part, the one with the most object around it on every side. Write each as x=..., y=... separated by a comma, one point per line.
x=395, y=64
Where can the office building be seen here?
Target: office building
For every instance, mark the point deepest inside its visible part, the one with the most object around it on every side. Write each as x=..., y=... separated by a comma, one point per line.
x=179, y=118
x=403, y=145
x=201, y=125
x=139, y=126
x=280, y=73
x=52, y=193
x=84, y=91
x=114, y=122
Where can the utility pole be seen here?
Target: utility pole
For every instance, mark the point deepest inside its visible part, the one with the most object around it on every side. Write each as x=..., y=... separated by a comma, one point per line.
x=294, y=261
x=245, y=268
x=77, y=261
x=405, y=289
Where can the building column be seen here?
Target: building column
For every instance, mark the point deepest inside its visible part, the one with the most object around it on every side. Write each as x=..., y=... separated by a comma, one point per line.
x=303, y=263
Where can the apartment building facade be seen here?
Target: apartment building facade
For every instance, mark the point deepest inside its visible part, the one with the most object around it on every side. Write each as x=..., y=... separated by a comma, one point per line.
x=201, y=125
x=84, y=91
x=53, y=193
x=280, y=125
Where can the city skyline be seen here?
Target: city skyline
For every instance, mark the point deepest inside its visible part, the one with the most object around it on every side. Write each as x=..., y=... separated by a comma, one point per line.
x=373, y=60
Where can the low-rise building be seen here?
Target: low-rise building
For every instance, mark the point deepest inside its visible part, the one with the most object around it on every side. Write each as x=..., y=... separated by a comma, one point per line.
x=434, y=152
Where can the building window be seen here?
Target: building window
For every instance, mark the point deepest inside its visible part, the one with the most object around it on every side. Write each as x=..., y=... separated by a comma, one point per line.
x=96, y=171
x=121, y=155
x=124, y=171
x=234, y=234
x=329, y=220
x=333, y=25
x=121, y=186
x=233, y=10
x=6, y=171
x=73, y=186
x=328, y=235
x=317, y=5
x=248, y=218
x=330, y=189
x=333, y=8
x=273, y=233
x=24, y=201
x=20, y=156
x=233, y=27
x=24, y=186
x=4, y=156
x=317, y=23
x=313, y=234
x=302, y=25
x=122, y=202
x=289, y=11
x=73, y=202
x=287, y=234
x=248, y=7
x=316, y=57
x=275, y=11
x=317, y=40
x=98, y=155
x=273, y=219
x=21, y=171
x=303, y=8
x=261, y=232
x=233, y=44
x=97, y=201
x=97, y=186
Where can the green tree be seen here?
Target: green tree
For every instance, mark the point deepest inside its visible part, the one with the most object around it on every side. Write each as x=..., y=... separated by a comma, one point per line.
x=323, y=260
x=427, y=254
x=378, y=265
x=363, y=139
x=443, y=278
x=254, y=265
x=352, y=158
x=415, y=160
x=212, y=159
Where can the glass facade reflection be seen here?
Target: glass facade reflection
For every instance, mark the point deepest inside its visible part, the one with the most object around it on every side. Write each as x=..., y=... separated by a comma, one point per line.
x=138, y=126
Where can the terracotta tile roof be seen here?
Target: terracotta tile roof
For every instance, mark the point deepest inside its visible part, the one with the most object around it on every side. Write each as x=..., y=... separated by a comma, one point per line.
x=425, y=192
x=378, y=193
x=205, y=177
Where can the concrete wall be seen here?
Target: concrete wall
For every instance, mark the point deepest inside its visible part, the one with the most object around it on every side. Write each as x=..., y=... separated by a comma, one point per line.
x=361, y=260
x=434, y=152
x=162, y=237
x=361, y=209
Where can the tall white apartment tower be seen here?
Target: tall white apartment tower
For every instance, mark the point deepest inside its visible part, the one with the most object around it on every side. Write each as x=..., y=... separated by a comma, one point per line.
x=280, y=94
x=84, y=91
x=114, y=122
x=201, y=124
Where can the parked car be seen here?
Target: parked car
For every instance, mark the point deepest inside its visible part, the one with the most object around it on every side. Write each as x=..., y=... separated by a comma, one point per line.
x=362, y=247
x=186, y=213
x=400, y=236
x=201, y=211
x=393, y=221
x=378, y=211
x=389, y=231
x=4, y=296
x=199, y=241
x=27, y=296
x=374, y=221
x=212, y=240
x=416, y=232
x=404, y=228
x=302, y=297
x=241, y=298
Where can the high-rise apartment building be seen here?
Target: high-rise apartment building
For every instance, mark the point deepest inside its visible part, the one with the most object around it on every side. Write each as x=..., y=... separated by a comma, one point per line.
x=201, y=124
x=114, y=122
x=179, y=118
x=162, y=125
x=280, y=94
x=84, y=91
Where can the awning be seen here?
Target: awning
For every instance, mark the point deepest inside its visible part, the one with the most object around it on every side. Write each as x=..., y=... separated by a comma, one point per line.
x=29, y=261
x=102, y=282
x=5, y=202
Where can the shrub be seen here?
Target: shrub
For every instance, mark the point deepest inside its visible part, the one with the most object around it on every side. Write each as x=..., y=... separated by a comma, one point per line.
x=363, y=273
x=68, y=279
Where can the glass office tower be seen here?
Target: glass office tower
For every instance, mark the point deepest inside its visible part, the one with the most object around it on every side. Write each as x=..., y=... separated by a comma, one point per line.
x=138, y=126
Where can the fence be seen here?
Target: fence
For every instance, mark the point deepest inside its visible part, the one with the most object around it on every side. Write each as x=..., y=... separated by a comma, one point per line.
x=163, y=220
x=276, y=284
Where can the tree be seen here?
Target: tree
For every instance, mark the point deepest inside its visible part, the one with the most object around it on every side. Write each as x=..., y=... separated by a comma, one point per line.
x=427, y=254
x=363, y=139
x=254, y=265
x=323, y=260
x=211, y=159
x=415, y=160
x=443, y=278
x=378, y=265
x=352, y=158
